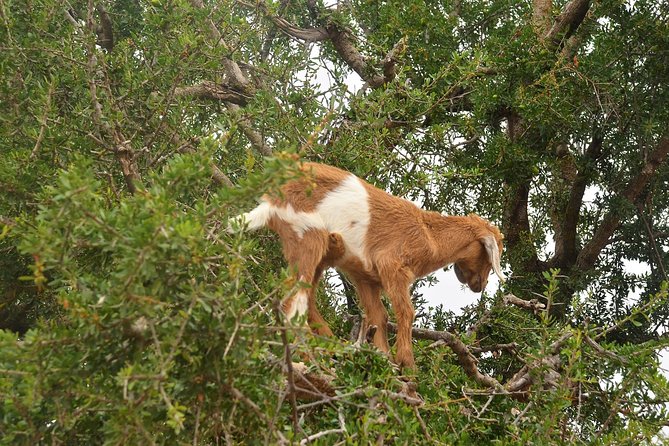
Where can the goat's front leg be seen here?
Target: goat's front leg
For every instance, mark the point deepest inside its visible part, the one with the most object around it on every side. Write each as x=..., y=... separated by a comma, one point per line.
x=375, y=313
x=305, y=253
x=335, y=250
x=396, y=281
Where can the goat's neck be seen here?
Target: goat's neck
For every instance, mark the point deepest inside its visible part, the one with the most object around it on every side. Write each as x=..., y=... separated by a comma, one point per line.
x=450, y=236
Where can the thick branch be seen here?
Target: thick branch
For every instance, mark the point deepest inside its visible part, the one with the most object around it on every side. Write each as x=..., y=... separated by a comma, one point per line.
x=568, y=21
x=541, y=16
x=533, y=305
x=565, y=231
x=632, y=193
x=516, y=215
x=343, y=42
x=306, y=34
x=524, y=378
x=212, y=90
x=105, y=30
x=465, y=357
x=516, y=220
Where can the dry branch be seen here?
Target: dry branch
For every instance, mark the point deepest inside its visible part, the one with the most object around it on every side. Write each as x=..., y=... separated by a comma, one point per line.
x=534, y=305
x=213, y=90
x=310, y=385
x=465, y=357
x=568, y=21
x=105, y=30
x=524, y=378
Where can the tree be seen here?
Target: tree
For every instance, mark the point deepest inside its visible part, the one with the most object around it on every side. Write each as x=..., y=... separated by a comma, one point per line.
x=133, y=130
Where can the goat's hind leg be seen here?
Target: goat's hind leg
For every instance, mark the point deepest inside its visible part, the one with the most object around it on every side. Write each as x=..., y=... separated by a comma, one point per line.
x=335, y=250
x=306, y=256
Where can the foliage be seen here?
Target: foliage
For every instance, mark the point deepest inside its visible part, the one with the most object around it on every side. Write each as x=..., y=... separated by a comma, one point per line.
x=132, y=130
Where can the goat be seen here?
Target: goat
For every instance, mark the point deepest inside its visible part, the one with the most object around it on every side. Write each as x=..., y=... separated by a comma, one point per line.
x=331, y=218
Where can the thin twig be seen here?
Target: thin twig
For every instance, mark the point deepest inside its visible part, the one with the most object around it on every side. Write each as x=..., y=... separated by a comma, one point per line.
x=43, y=121
x=290, y=374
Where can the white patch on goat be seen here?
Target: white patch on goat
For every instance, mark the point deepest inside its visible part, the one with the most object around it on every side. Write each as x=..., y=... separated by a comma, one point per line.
x=345, y=210
x=298, y=306
x=299, y=221
x=259, y=217
x=255, y=219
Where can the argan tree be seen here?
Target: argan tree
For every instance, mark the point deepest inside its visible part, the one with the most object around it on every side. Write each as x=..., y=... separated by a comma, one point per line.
x=132, y=130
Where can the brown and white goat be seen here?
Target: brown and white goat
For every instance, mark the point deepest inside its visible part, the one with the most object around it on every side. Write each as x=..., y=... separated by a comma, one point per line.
x=330, y=217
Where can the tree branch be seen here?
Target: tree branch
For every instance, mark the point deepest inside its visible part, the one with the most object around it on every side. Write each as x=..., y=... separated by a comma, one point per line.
x=343, y=43
x=269, y=38
x=533, y=305
x=217, y=175
x=254, y=137
x=305, y=34
x=465, y=357
x=516, y=220
x=524, y=378
x=121, y=145
x=105, y=30
x=541, y=16
x=238, y=82
x=611, y=222
x=212, y=90
x=568, y=21
x=565, y=231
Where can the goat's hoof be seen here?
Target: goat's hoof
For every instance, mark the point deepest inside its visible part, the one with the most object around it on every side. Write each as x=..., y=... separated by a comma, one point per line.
x=406, y=364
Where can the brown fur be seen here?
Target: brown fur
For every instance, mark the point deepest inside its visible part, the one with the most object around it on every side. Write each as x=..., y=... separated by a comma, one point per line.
x=403, y=243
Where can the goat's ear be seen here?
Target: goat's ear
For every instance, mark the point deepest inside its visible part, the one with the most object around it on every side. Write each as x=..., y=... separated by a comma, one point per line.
x=458, y=274
x=491, y=247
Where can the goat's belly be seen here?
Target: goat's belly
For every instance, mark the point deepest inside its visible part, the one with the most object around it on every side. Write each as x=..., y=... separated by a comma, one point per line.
x=355, y=269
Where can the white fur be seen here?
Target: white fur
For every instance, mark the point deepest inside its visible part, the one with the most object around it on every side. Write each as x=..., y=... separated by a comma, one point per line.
x=344, y=210
x=299, y=221
x=255, y=219
x=491, y=247
x=259, y=217
x=299, y=305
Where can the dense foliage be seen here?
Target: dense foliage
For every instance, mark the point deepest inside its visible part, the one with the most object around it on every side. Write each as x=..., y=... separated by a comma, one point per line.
x=131, y=130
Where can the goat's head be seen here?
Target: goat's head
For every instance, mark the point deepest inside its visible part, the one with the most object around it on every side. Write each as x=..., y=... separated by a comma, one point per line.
x=480, y=256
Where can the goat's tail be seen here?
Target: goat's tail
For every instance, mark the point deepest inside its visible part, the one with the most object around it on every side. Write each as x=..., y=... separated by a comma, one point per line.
x=252, y=220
